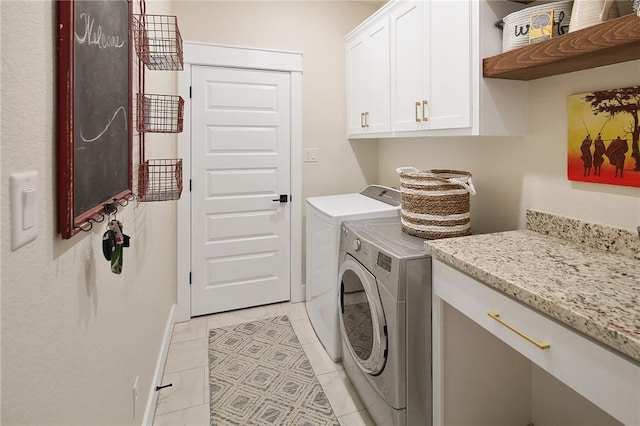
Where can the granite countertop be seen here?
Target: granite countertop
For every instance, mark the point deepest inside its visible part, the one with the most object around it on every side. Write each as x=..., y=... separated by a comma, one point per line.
x=591, y=290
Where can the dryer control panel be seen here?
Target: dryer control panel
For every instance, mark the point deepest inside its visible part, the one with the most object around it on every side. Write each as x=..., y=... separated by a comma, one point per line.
x=384, y=249
x=384, y=261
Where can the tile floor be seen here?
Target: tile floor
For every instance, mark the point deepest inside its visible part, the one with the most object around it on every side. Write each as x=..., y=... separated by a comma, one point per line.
x=187, y=401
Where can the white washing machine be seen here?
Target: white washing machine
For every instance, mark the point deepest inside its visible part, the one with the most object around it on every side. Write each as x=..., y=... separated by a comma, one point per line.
x=324, y=218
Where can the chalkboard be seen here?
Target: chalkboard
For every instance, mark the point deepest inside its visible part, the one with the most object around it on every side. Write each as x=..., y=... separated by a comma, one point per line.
x=94, y=86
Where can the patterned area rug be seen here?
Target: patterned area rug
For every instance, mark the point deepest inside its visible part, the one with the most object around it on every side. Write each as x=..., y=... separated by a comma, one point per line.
x=260, y=375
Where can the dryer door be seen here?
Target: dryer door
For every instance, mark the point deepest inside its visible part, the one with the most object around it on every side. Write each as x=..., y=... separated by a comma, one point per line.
x=362, y=321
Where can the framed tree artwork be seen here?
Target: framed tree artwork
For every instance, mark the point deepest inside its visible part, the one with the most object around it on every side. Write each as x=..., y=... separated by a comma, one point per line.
x=94, y=145
x=603, y=137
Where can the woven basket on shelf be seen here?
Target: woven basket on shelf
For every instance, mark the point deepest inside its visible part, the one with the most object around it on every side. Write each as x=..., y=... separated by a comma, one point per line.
x=435, y=203
x=516, y=25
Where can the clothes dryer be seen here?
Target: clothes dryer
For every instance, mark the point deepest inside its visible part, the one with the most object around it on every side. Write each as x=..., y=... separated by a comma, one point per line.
x=385, y=320
x=324, y=217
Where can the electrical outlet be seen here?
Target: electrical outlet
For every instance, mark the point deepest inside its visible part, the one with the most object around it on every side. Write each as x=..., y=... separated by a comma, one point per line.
x=135, y=397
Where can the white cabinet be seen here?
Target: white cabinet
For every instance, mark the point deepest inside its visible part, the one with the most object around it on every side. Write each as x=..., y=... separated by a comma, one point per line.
x=367, y=53
x=607, y=383
x=434, y=82
x=430, y=66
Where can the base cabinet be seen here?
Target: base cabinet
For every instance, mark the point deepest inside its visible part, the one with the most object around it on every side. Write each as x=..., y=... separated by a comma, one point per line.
x=487, y=374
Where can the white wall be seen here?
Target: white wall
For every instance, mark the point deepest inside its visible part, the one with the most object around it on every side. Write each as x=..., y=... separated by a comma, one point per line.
x=74, y=335
x=545, y=186
x=516, y=174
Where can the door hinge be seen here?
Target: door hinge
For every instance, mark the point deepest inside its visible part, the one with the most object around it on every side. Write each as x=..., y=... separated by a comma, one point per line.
x=190, y=93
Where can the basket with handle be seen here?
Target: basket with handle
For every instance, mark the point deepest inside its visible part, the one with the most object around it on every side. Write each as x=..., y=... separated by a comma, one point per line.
x=435, y=203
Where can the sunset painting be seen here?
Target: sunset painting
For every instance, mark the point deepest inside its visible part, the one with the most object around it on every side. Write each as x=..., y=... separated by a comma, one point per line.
x=603, y=134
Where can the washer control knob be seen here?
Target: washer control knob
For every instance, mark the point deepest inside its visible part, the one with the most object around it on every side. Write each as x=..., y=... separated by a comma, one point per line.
x=357, y=245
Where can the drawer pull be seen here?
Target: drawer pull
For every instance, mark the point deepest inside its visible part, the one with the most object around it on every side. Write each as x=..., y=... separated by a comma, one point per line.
x=540, y=345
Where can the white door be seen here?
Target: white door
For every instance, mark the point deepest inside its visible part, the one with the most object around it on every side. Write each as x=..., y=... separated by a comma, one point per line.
x=368, y=80
x=240, y=232
x=407, y=67
x=356, y=84
x=379, y=116
x=448, y=75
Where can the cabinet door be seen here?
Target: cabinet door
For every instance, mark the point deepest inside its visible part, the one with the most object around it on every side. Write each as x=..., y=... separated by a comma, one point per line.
x=407, y=67
x=377, y=78
x=447, y=52
x=356, y=52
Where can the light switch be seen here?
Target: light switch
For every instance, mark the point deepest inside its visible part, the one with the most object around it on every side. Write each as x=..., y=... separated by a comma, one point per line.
x=310, y=155
x=24, y=208
x=28, y=208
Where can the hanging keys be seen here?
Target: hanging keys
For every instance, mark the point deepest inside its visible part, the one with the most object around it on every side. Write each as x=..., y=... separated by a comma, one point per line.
x=116, y=258
x=116, y=226
x=113, y=241
x=108, y=244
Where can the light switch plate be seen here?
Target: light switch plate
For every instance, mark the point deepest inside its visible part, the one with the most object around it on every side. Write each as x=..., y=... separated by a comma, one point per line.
x=310, y=155
x=24, y=208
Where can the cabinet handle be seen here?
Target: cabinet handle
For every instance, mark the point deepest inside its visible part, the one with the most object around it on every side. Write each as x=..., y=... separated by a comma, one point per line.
x=366, y=119
x=362, y=119
x=540, y=345
x=424, y=111
x=417, y=112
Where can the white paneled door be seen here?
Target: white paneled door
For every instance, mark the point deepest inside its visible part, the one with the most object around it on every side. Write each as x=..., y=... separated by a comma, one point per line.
x=240, y=167
x=408, y=63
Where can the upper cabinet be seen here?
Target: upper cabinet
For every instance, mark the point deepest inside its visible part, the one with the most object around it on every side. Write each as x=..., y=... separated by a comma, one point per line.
x=367, y=60
x=435, y=82
x=430, y=77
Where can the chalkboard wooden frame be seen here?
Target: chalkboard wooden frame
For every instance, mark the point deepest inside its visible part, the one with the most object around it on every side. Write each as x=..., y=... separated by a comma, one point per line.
x=95, y=132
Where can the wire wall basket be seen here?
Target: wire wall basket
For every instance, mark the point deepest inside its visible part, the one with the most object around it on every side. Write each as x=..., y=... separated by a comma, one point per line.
x=158, y=42
x=159, y=113
x=160, y=180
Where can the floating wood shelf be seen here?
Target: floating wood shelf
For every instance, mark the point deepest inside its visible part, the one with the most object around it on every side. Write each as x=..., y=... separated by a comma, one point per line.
x=612, y=42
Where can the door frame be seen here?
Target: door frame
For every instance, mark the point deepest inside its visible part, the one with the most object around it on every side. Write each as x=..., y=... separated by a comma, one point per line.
x=245, y=58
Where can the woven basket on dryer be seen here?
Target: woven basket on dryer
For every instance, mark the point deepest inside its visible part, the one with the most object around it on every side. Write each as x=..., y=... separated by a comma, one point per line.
x=435, y=203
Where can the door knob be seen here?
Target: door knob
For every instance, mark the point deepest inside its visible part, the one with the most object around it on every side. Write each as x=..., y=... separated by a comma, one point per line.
x=283, y=198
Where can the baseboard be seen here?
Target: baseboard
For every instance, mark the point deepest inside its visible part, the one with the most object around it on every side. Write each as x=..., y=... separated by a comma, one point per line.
x=150, y=409
x=298, y=293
